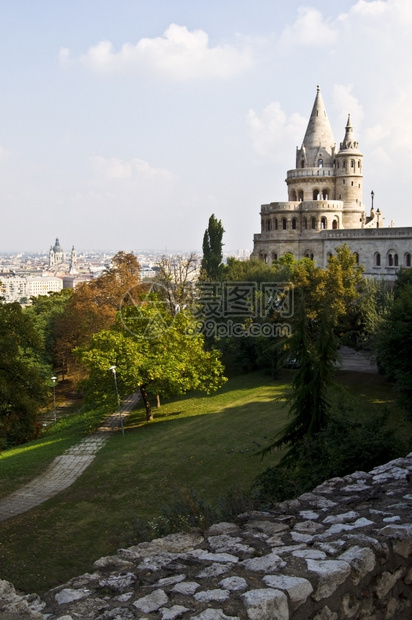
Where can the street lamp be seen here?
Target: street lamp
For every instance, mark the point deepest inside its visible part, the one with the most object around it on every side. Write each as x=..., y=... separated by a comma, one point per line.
x=113, y=369
x=54, y=379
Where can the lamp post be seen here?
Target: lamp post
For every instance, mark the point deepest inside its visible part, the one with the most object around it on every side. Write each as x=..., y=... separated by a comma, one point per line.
x=113, y=369
x=54, y=379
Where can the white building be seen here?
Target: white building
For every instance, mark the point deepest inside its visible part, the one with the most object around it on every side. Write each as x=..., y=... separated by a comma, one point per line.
x=324, y=209
x=15, y=288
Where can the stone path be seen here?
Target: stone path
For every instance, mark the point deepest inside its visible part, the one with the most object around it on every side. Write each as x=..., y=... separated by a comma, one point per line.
x=355, y=361
x=64, y=470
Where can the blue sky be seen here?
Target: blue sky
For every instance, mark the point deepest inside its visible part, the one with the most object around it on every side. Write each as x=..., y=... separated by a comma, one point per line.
x=126, y=124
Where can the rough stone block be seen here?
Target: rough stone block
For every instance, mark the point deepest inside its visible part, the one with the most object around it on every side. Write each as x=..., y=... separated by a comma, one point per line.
x=297, y=588
x=362, y=561
x=266, y=604
x=332, y=573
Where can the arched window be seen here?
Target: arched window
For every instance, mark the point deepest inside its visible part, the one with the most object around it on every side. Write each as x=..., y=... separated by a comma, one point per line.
x=323, y=223
x=396, y=260
x=293, y=195
x=275, y=223
x=320, y=163
x=309, y=254
x=315, y=194
x=300, y=195
x=356, y=257
x=335, y=224
x=302, y=163
x=284, y=223
x=305, y=223
x=268, y=225
x=390, y=260
x=377, y=259
x=337, y=164
x=329, y=255
x=313, y=223
x=352, y=163
x=274, y=256
x=294, y=223
x=359, y=163
x=407, y=259
x=325, y=194
x=344, y=164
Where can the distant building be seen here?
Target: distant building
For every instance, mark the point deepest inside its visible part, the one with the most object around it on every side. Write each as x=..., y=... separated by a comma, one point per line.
x=56, y=254
x=16, y=288
x=324, y=209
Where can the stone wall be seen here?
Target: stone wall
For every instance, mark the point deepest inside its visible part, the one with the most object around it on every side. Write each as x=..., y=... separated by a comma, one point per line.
x=342, y=552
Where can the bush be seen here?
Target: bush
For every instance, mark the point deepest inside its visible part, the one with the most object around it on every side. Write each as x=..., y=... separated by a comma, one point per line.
x=343, y=447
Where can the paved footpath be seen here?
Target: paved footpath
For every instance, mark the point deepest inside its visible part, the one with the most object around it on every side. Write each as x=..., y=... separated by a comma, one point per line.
x=65, y=469
x=356, y=361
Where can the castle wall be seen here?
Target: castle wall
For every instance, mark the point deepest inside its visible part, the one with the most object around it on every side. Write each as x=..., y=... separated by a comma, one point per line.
x=342, y=552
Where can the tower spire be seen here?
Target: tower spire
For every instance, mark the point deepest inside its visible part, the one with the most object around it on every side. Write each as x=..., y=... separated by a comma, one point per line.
x=318, y=132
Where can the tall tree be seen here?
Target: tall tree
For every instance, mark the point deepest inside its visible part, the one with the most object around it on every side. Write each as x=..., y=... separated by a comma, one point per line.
x=395, y=340
x=323, y=297
x=23, y=385
x=212, y=250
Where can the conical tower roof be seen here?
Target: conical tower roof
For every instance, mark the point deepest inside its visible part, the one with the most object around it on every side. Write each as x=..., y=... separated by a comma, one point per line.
x=318, y=132
x=349, y=143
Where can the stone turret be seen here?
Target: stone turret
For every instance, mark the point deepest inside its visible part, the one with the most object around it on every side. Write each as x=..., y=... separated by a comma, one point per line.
x=314, y=159
x=349, y=178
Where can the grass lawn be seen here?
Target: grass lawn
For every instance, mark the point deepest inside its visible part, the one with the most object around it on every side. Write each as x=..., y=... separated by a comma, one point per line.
x=204, y=442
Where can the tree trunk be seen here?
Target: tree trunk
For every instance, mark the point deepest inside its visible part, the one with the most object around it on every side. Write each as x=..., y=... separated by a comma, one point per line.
x=143, y=392
x=157, y=401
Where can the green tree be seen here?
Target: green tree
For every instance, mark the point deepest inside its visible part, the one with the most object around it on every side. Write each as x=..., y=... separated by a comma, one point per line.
x=94, y=306
x=395, y=340
x=154, y=352
x=212, y=250
x=45, y=311
x=23, y=388
x=323, y=297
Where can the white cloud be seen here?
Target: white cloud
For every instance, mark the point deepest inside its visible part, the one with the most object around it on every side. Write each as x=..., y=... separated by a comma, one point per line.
x=273, y=131
x=309, y=29
x=137, y=169
x=180, y=54
x=346, y=103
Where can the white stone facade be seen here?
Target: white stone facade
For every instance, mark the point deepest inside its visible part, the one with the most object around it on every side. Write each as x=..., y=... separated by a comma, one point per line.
x=324, y=209
x=14, y=288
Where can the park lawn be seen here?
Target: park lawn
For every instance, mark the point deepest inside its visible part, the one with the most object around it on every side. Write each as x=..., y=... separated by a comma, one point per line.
x=206, y=443
x=21, y=464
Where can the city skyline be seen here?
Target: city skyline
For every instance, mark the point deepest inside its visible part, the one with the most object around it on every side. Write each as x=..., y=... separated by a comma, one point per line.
x=126, y=125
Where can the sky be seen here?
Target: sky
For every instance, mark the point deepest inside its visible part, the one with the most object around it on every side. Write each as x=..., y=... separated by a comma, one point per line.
x=124, y=124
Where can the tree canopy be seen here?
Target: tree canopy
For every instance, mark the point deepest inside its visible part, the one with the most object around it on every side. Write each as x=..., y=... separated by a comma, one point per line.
x=23, y=387
x=153, y=351
x=94, y=305
x=213, y=250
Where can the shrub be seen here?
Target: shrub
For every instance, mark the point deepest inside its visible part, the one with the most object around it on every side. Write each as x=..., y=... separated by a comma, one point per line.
x=341, y=448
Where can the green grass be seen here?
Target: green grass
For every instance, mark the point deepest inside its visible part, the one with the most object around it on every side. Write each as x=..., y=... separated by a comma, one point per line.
x=19, y=465
x=204, y=442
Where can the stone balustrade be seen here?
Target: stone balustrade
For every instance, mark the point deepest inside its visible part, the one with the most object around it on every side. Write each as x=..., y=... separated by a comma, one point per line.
x=301, y=206
x=311, y=172
x=341, y=552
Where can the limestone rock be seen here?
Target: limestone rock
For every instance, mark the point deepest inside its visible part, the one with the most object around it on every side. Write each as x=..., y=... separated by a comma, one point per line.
x=266, y=604
x=152, y=602
x=331, y=574
x=297, y=588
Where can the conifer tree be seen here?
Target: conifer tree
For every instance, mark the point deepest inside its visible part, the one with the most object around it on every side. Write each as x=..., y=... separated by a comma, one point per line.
x=212, y=250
